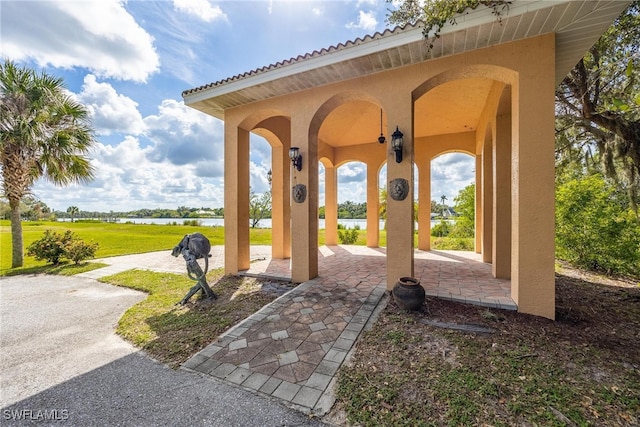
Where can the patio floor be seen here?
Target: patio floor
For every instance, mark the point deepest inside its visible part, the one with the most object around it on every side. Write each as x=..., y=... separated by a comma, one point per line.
x=292, y=348
x=454, y=275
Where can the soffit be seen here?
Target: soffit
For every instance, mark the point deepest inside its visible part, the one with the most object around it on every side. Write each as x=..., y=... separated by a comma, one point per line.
x=577, y=24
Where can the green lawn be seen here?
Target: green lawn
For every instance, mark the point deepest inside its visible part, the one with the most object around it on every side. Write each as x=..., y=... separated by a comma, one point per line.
x=115, y=238
x=172, y=333
x=127, y=238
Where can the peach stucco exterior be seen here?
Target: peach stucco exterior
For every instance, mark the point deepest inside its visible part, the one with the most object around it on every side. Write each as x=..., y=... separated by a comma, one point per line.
x=495, y=103
x=521, y=123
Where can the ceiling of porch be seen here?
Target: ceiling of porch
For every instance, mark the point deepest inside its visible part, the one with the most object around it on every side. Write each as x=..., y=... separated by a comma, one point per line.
x=453, y=107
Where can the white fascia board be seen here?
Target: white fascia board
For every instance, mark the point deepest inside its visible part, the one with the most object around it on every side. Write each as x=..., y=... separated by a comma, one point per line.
x=331, y=58
x=463, y=22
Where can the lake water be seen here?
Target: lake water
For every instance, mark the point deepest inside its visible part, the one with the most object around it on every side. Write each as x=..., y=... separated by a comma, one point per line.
x=219, y=222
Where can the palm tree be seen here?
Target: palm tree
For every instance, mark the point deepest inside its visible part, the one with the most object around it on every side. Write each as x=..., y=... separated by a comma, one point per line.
x=44, y=133
x=73, y=211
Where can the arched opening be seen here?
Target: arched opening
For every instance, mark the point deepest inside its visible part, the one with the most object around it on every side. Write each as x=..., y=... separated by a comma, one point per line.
x=452, y=205
x=269, y=172
x=455, y=116
x=352, y=202
x=260, y=181
x=348, y=126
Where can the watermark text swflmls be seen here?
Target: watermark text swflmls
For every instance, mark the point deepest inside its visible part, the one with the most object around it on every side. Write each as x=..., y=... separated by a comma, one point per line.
x=35, y=414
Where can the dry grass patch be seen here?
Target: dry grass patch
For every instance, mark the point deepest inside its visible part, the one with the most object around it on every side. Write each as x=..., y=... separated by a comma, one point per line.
x=581, y=370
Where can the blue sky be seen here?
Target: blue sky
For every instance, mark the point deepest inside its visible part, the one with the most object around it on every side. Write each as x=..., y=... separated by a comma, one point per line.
x=129, y=62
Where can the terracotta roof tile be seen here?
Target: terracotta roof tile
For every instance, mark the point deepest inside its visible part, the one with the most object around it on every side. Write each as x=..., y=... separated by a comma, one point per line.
x=300, y=58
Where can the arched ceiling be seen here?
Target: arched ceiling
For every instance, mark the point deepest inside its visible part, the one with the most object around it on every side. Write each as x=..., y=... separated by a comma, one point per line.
x=352, y=123
x=453, y=107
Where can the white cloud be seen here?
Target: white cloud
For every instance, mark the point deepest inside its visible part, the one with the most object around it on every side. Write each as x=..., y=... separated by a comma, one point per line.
x=184, y=136
x=352, y=172
x=111, y=112
x=201, y=9
x=98, y=35
x=366, y=21
x=450, y=173
x=127, y=179
x=183, y=166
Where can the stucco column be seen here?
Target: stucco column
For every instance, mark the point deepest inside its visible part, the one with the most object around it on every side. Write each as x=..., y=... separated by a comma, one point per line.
x=400, y=212
x=236, y=198
x=478, y=200
x=502, y=191
x=532, y=201
x=304, y=213
x=424, y=206
x=487, y=199
x=280, y=202
x=373, y=207
x=330, y=205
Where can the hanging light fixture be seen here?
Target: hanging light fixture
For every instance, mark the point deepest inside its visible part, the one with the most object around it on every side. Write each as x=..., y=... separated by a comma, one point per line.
x=296, y=157
x=381, y=138
x=396, y=144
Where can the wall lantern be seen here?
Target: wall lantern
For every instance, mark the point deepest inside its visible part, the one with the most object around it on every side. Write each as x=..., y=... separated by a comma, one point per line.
x=296, y=157
x=270, y=177
x=396, y=144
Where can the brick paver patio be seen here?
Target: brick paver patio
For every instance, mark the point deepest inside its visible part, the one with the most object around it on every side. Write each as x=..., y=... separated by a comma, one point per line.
x=292, y=348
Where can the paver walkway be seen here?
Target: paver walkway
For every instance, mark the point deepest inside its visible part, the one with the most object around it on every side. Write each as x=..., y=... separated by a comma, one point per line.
x=163, y=261
x=292, y=348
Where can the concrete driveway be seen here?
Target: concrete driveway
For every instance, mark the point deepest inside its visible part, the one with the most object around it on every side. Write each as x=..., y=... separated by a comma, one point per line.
x=62, y=364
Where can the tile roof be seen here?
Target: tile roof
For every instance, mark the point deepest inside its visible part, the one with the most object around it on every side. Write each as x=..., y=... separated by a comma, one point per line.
x=576, y=23
x=316, y=53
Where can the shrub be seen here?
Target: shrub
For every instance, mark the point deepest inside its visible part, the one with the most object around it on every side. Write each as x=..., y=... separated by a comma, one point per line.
x=348, y=236
x=441, y=229
x=192, y=222
x=453, y=243
x=54, y=246
x=595, y=229
x=462, y=228
x=77, y=250
x=51, y=247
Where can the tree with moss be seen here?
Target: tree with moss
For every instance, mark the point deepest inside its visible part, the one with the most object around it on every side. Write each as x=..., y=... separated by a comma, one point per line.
x=597, y=103
x=435, y=14
x=598, y=108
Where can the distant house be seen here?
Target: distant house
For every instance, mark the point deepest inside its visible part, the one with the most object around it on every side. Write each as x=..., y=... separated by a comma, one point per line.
x=449, y=213
x=485, y=88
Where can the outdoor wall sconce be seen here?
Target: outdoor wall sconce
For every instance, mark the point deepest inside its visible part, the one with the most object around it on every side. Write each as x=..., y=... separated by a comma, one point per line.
x=296, y=157
x=396, y=144
x=270, y=177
